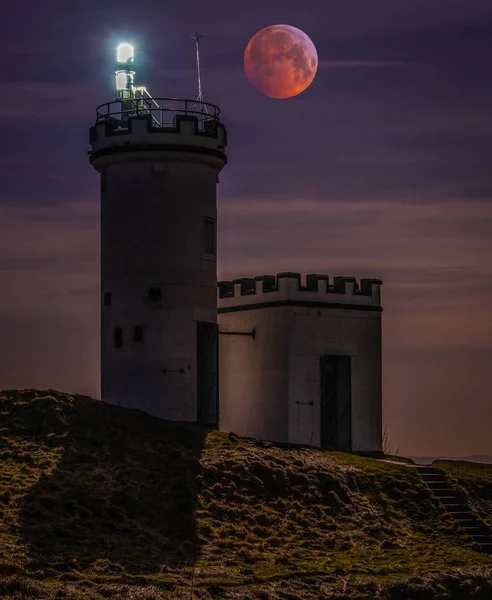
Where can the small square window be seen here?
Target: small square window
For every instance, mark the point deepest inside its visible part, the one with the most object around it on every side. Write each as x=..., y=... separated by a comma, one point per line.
x=118, y=338
x=209, y=236
x=155, y=294
x=107, y=299
x=137, y=334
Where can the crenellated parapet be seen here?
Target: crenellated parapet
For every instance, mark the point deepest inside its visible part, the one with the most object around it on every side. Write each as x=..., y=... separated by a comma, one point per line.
x=287, y=288
x=176, y=131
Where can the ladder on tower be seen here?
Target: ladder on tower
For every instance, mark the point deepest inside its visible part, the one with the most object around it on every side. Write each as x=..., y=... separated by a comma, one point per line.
x=146, y=104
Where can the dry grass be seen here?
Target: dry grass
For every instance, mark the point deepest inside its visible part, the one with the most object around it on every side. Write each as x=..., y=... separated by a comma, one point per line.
x=98, y=501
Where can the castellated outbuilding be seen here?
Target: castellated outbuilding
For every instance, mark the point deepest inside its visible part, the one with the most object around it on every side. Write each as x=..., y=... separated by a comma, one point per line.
x=301, y=363
x=280, y=358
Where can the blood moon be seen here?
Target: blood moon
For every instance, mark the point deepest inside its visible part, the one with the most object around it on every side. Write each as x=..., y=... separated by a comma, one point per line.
x=281, y=61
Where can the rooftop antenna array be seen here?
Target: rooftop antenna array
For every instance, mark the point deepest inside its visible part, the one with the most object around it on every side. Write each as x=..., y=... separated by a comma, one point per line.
x=197, y=39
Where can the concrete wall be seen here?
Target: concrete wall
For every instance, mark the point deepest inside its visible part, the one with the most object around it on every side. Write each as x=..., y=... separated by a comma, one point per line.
x=270, y=385
x=158, y=187
x=316, y=332
x=253, y=387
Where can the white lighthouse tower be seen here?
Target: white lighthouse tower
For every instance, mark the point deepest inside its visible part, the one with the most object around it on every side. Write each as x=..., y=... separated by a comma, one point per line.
x=158, y=161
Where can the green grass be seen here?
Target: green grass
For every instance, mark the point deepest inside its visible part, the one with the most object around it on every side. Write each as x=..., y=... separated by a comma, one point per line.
x=98, y=501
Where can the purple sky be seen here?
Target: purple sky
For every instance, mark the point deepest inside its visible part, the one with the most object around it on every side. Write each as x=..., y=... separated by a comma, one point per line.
x=382, y=168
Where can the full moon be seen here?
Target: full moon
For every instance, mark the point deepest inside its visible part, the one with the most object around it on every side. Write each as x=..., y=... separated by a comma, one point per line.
x=281, y=61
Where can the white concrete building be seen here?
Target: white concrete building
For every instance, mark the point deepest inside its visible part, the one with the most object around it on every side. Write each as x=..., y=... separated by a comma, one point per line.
x=302, y=364
x=158, y=161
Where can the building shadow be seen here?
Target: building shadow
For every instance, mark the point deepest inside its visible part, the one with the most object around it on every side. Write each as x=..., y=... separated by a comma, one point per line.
x=118, y=489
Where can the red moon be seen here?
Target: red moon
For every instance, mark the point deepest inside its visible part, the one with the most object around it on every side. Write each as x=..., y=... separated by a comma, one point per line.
x=281, y=61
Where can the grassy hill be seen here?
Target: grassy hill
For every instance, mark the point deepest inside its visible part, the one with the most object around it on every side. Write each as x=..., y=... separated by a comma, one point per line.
x=100, y=502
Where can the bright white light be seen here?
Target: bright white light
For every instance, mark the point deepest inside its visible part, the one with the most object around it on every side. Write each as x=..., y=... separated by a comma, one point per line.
x=121, y=80
x=124, y=53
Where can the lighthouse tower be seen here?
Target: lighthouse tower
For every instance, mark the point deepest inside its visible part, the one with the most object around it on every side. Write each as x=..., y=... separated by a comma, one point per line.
x=158, y=161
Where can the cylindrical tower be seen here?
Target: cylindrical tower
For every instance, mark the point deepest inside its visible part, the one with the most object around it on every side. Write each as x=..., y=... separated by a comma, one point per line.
x=159, y=161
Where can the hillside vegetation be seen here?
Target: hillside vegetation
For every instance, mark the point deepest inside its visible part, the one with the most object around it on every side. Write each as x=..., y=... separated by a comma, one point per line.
x=476, y=480
x=99, y=502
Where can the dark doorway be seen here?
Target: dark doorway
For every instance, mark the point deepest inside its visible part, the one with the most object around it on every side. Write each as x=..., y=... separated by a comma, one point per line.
x=207, y=374
x=336, y=405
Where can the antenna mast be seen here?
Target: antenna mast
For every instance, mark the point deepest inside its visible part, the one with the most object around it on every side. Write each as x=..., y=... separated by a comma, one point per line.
x=197, y=39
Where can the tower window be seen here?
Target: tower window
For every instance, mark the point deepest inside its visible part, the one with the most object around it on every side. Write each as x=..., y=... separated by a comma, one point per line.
x=118, y=338
x=155, y=294
x=107, y=299
x=103, y=182
x=209, y=236
x=137, y=334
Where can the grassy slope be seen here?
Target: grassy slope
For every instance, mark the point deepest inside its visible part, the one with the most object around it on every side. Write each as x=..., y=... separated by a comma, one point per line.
x=94, y=498
x=476, y=479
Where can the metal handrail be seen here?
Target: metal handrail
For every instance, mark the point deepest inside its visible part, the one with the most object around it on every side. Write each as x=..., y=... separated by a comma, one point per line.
x=133, y=107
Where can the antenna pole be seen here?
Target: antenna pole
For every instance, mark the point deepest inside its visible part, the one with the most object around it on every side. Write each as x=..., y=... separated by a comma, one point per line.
x=197, y=39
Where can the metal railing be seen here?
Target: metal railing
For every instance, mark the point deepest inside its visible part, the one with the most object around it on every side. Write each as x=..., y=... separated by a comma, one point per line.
x=161, y=110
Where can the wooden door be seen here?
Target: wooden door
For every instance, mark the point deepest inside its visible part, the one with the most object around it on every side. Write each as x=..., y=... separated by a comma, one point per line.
x=336, y=403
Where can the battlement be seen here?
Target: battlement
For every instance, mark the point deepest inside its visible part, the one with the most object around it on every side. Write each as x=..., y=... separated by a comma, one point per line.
x=286, y=288
x=175, y=129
